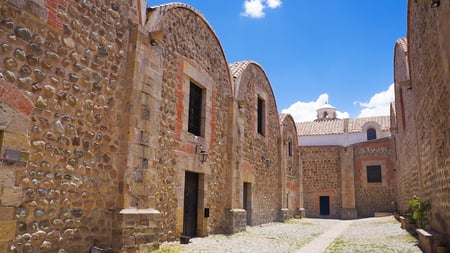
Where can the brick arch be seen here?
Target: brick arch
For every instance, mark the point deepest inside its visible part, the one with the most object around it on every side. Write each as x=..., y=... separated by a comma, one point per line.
x=13, y=97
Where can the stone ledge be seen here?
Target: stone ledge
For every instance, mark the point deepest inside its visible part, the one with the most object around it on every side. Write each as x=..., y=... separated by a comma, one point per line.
x=427, y=240
x=133, y=210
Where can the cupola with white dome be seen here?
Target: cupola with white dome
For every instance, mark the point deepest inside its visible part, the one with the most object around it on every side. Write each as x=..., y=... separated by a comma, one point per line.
x=326, y=112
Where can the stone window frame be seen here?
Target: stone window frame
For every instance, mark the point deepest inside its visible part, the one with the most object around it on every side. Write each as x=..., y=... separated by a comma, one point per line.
x=2, y=134
x=371, y=125
x=192, y=73
x=290, y=147
x=261, y=115
x=371, y=178
x=196, y=104
x=384, y=172
x=371, y=134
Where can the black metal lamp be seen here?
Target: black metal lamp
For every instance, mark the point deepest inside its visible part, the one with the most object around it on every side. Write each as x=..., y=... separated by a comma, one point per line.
x=435, y=3
x=202, y=156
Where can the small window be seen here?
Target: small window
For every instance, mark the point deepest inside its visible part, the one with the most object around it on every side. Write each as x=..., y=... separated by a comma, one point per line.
x=261, y=116
x=371, y=134
x=374, y=174
x=195, y=109
x=1, y=139
x=290, y=148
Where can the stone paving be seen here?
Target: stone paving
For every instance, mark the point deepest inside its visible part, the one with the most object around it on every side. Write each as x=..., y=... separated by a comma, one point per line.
x=381, y=234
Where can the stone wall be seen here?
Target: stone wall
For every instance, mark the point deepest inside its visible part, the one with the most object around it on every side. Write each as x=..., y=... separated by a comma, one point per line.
x=321, y=177
x=292, y=178
x=67, y=58
x=259, y=158
x=332, y=170
x=426, y=138
x=407, y=170
x=190, y=51
x=374, y=197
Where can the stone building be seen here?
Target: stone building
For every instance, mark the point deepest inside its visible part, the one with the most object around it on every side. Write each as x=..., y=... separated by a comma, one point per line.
x=347, y=165
x=122, y=127
x=421, y=112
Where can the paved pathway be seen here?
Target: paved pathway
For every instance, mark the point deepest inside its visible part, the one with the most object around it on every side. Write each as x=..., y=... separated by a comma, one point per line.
x=307, y=235
x=320, y=243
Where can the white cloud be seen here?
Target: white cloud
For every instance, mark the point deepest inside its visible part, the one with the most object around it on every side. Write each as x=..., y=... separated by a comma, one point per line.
x=273, y=3
x=378, y=105
x=255, y=8
x=306, y=111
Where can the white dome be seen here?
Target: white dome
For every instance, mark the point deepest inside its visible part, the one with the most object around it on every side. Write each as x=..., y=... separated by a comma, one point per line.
x=326, y=112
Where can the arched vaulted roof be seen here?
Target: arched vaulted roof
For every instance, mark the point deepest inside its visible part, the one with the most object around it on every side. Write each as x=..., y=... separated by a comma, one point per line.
x=156, y=13
x=288, y=117
x=238, y=68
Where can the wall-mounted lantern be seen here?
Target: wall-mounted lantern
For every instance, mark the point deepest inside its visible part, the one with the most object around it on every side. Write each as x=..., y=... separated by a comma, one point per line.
x=202, y=156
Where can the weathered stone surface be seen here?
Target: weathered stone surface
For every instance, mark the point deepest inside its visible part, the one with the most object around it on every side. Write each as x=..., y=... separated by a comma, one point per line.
x=421, y=112
x=10, y=63
x=19, y=54
x=108, y=109
x=23, y=33
x=7, y=230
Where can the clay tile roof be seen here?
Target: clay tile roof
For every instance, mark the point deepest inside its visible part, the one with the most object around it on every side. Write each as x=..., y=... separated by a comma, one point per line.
x=283, y=116
x=337, y=126
x=403, y=43
x=324, y=127
x=355, y=125
x=237, y=68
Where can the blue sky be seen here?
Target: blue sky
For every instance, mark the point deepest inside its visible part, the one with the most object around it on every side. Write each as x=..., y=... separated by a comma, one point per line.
x=314, y=51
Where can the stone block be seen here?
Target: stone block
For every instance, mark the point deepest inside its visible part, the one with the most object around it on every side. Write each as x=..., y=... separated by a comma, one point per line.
x=7, y=177
x=7, y=230
x=349, y=213
x=6, y=213
x=284, y=215
x=237, y=219
x=427, y=240
x=12, y=196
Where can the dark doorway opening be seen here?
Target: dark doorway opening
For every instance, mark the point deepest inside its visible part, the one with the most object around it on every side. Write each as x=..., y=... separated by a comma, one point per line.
x=247, y=201
x=190, y=204
x=324, y=205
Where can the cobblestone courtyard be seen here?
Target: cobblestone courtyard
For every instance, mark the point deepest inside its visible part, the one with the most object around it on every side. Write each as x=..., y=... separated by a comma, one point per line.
x=381, y=234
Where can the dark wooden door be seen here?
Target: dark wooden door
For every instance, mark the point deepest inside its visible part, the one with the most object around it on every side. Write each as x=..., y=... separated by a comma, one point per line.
x=324, y=205
x=247, y=202
x=190, y=204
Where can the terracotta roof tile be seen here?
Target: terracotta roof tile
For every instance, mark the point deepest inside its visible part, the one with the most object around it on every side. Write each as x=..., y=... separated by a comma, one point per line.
x=355, y=125
x=324, y=127
x=330, y=127
x=237, y=68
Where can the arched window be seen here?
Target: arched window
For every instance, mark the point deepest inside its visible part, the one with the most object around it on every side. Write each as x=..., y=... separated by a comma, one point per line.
x=371, y=134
